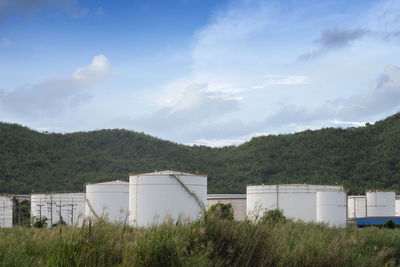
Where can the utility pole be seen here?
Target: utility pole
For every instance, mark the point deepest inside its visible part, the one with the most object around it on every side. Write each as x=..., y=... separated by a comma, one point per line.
x=40, y=211
x=14, y=220
x=59, y=210
x=72, y=205
x=51, y=209
x=4, y=214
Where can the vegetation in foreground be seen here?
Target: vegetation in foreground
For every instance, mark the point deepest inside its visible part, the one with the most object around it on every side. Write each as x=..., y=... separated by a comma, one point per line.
x=215, y=240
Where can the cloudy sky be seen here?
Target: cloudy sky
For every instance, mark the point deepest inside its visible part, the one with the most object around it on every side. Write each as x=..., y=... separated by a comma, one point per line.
x=213, y=72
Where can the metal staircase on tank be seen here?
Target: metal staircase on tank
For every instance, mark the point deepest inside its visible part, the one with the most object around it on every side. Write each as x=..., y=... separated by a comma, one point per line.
x=196, y=197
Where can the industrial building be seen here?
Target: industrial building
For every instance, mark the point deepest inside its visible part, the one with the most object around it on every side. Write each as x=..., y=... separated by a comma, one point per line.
x=238, y=202
x=158, y=196
x=108, y=200
x=70, y=207
x=6, y=211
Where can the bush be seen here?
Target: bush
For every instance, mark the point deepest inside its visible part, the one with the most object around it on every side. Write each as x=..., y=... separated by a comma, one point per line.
x=389, y=224
x=273, y=216
x=221, y=211
x=39, y=222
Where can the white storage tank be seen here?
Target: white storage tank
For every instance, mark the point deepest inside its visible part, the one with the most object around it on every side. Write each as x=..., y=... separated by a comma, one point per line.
x=109, y=200
x=155, y=197
x=331, y=208
x=356, y=207
x=6, y=211
x=53, y=206
x=397, y=206
x=238, y=202
x=297, y=201
x=381, y=203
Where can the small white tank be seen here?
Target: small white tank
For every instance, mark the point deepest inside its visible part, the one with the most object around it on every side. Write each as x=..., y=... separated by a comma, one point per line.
x=397, y=206
x=331, y=208
x=381, y=203
x=108, y=200
x=6, y=211
x=155, y=197
x=356, y=207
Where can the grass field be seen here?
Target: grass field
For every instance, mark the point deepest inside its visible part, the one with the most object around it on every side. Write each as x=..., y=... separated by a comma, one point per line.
x=214, y=240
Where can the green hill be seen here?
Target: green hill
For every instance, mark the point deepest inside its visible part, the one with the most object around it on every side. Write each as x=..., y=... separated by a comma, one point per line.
x=360, y=158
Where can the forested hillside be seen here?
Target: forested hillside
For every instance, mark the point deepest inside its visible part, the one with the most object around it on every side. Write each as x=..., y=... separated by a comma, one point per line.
x=360, y=158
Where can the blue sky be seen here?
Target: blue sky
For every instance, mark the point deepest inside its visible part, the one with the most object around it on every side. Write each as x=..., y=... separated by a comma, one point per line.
x=197, y=71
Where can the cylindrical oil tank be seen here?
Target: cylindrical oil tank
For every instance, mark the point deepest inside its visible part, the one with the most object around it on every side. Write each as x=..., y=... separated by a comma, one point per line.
x=108, y=200
x=356, y=207
x=331, y=208
x=381, y=203
x=297, y=201
x=397, y=206
x=156, y=197
x=6, y=211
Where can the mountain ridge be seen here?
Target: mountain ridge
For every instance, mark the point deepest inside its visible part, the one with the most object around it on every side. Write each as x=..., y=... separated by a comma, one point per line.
x=359, y=158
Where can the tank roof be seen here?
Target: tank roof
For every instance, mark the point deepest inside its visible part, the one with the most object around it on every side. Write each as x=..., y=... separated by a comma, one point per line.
x=56, y=192
x=295, y=185
x=226, y=196
x=166, y=172
x=292, y=187
x=380, y=191
x=119, y=182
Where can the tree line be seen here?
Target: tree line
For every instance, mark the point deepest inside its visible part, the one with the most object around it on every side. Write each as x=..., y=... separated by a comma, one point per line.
x=359, y=158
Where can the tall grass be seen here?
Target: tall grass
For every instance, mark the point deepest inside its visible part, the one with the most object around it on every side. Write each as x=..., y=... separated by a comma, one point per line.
x=211, y=241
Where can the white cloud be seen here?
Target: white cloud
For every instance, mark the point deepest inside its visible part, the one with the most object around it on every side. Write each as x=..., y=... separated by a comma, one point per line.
x=218, y=142
x=54, y=95
x=97, y=70
x=282, y=80
x=196, y=108
x=227, y=141
x=348, y=123
x=383, y=97
x=48, y=129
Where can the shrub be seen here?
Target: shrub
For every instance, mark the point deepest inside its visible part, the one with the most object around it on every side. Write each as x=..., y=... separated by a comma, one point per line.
x=389, y=224
x=220, y=211
x=273, y=216
x=39, y=222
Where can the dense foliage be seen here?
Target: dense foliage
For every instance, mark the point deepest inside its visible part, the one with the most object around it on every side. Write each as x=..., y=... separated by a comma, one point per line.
x=359, y=158
x=212, y=241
